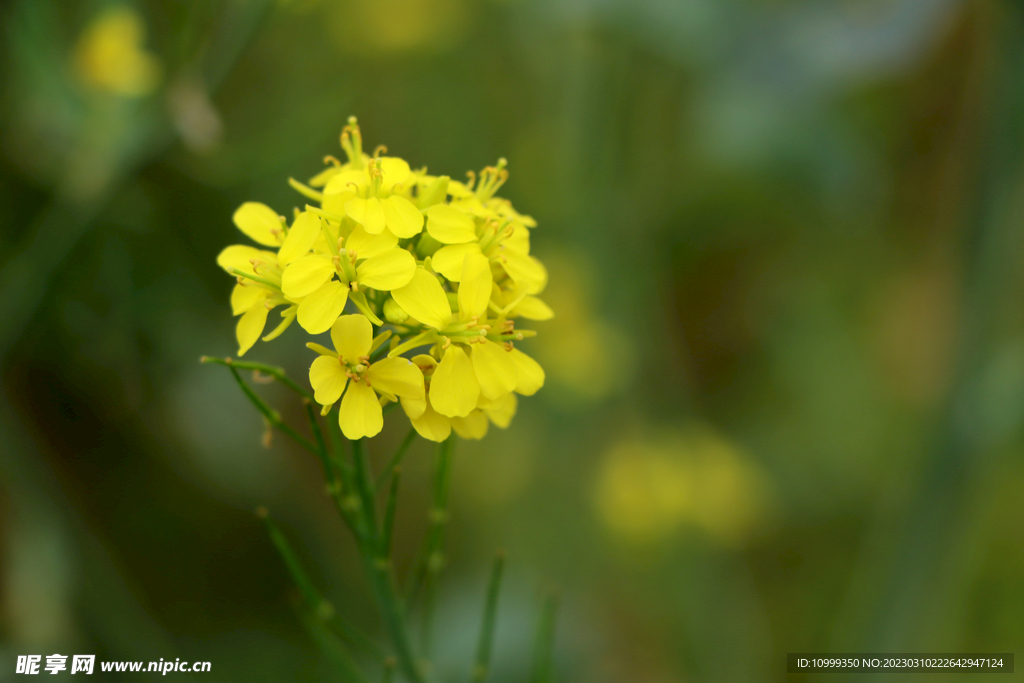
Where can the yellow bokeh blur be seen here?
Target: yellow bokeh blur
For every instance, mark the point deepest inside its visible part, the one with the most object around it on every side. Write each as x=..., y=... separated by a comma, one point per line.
x=110, y=55
x=398, y=25
x=652, y=487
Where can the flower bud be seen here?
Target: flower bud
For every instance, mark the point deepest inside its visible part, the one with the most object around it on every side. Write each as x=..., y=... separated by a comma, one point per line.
x=434, y=193
x=394, y=313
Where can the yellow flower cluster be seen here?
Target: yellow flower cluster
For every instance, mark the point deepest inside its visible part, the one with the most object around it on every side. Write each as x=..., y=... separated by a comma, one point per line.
x=429, y=265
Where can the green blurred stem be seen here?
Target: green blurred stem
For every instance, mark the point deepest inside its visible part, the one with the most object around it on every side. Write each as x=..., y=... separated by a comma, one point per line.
x=275, y=372
x=431, y=560
x=544, y=643
x=318, y=436
x=319, y=607
x=379, y=568
x=388, y=528
x=382, y=579
x=483, y=648
x=364, y=485
x=272, y=416
x=335, y=486
x=389, y=670
x=330, y=644
x=397, y=458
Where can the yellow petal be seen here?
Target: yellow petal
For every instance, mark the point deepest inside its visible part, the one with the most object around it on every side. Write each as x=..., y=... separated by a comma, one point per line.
x=532, y=308
x=335, y=203
x=250, y=327
x=472, y=206
x=449, y=225
x=360, y=414
x=528, y=272
x=402, y=216
x=340, y=181
x=394, y=170
x=239, y=256
x=319, y=310
x=306, y=275
x=529, y=373
x=495, y=370
x=519, y=240
x=414, y=407
x=367, y=212
x=454, y=389
x=244, y=297
x=300, y=238
x=460, y=190
x=352, y=336
x=366, y=245
x=327, y=377
x=260, y=223
x=448, y=260
x=396, y=376
x=390, y=270
x=501, y=411
x=475, y=286
x=431, y=425
x=424, y=299
x=473, y=426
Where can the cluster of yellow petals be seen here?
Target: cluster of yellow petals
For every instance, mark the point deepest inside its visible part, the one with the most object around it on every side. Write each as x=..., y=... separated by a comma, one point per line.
x=441, y=270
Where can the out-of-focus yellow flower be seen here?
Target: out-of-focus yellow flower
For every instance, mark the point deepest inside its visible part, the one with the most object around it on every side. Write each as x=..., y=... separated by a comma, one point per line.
x=398, y=25
x=441, y=265
x=110, y=55
x=347, y=370
x=650, y=488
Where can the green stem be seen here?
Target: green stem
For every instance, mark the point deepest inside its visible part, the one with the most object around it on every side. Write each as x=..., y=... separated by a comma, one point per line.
x=275, y=372
x=335, y=485
x=272, y=416
x=397, y=459
x=389, y=670
x=331, y=645
x=382, y=579
x=388, y=529
x=431, y=559
x=544, y=643
x=380, y=571
x=319, y=607
x=318, y=436
x=483, y=648
x=364, y=485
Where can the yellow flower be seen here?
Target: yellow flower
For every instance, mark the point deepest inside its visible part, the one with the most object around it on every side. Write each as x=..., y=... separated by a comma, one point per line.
x=498, y=232
x=488, y=369
x=365, y=261
x=435, y=263
x=258, y=273
x=372, y=192
x=347, y=371
x=110, y=57
x=436, y=427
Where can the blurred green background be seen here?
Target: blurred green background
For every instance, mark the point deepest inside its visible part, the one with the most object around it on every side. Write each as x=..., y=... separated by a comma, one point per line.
x=785, y=397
